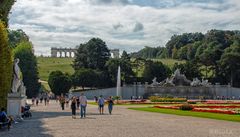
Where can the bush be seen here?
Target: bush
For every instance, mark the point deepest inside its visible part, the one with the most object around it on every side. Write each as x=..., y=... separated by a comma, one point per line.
x=167, y=99
x=186, y=107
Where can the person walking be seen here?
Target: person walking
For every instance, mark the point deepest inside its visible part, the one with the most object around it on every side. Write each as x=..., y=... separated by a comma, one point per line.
x=73, y=107
x=110, y=105
x=78, y=103
x=101, y=102
x=33, y=100
x=62, y=101
x=83, y=105
x=37, y=100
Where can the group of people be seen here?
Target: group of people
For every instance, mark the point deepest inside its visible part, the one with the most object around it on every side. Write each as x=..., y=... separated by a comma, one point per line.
x=40, y=99
x=81, y=103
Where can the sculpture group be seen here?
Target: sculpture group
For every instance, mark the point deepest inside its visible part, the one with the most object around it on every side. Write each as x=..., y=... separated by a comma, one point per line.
x=178, y=79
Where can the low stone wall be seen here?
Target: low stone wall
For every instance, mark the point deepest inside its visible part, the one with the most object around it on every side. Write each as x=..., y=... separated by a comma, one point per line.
x=211, y=92
x=126, y=92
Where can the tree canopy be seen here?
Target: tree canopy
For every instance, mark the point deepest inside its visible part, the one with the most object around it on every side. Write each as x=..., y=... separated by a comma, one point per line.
x=28, y=66
x=93, y=54
x=5, y=7
x=59, y=82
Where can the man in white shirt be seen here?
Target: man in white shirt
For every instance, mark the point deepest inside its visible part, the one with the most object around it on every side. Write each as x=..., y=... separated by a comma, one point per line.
x=83, y=104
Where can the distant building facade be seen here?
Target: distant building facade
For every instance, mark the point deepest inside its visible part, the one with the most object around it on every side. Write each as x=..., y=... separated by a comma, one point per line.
x=71, y=52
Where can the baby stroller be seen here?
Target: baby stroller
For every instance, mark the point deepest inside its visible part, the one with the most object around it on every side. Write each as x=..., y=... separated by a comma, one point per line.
x=26, y=112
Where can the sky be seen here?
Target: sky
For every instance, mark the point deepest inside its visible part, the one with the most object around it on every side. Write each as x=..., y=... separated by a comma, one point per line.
x=124, y=24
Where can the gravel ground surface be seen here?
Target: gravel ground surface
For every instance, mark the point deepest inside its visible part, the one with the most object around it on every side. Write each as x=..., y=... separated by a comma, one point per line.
x=51, y=121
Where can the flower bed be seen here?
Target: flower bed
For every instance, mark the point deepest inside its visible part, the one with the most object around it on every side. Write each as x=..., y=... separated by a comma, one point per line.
x=212, y=109
x=215, y=111
x=220, y=102
x=160, y=99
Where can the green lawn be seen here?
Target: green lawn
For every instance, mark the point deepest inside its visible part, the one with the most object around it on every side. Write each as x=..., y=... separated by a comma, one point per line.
x=46, y=65
x=169, y=62
x=227, y=117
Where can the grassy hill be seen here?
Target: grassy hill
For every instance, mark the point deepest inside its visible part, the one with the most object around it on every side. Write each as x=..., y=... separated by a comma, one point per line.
x=47, y=64
x=169, y=62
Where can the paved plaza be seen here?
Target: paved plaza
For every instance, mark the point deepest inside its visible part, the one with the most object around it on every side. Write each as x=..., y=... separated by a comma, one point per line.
x=51, y=121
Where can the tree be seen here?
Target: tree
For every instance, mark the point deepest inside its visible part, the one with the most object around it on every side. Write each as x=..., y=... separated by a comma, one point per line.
x=93, y=54
x=59, y=82
x=5, y=7
x=16, y=36
x=155, y=69
x=230, y=60
x=125, y=56
x=85, y=78
x=5, y=66
x=28, y=66
x=126, y=69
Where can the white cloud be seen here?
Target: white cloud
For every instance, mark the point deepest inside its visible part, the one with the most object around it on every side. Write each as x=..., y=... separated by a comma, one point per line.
x=68, y=23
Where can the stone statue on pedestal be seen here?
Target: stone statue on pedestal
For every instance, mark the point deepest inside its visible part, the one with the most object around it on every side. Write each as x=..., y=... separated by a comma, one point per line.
x=16, y=76
x=17, y=83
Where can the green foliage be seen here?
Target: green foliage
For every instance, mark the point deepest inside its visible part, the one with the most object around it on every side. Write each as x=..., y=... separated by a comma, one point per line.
x=186, y=107
x=126, y=69
x=167, y=99
x=230, y=61
x=178, y=41
x=59, y=82
x=16, y=36
x=155, y=69
x=28, y=66
x=5, y=66
x=150, y=52
x=85, y=78
x=5, y=7
x=93, y=54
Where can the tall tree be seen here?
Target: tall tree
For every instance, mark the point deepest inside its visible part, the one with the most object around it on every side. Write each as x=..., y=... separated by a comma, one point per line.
x=5, y=7
x=85, y=78
x=155, y=69
x=59, y=82
x=16, y=36
x=5, y=66
x=28, y=66
x=230, y=60
x=93, y=54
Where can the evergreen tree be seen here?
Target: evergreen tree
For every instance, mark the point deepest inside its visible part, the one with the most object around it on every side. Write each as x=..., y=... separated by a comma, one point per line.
x=5, y=7
x=5, y=66
x=28, y=66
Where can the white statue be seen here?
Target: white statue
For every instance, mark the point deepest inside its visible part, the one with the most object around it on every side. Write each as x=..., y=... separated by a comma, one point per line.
x=16, y=83
x=154, y=82
x=196, y=82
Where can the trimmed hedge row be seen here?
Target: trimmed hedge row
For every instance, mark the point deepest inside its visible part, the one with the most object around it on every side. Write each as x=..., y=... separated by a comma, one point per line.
x=160, y=99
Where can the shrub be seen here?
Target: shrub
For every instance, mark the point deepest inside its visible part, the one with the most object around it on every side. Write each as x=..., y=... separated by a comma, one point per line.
x=160, y=99
x=186, y=107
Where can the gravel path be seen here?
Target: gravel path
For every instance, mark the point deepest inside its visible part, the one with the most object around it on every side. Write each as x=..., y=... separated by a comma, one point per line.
x=51, y=121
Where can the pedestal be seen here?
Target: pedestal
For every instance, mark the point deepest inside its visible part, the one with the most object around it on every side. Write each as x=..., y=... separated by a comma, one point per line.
x=14, y=103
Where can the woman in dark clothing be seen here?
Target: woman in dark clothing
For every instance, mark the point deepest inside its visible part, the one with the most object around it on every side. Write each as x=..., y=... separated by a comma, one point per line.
x=110, y=105
x=73, y=107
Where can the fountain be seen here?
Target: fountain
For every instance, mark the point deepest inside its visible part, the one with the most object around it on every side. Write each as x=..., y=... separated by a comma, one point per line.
x=179, y=86
x=119, y=82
